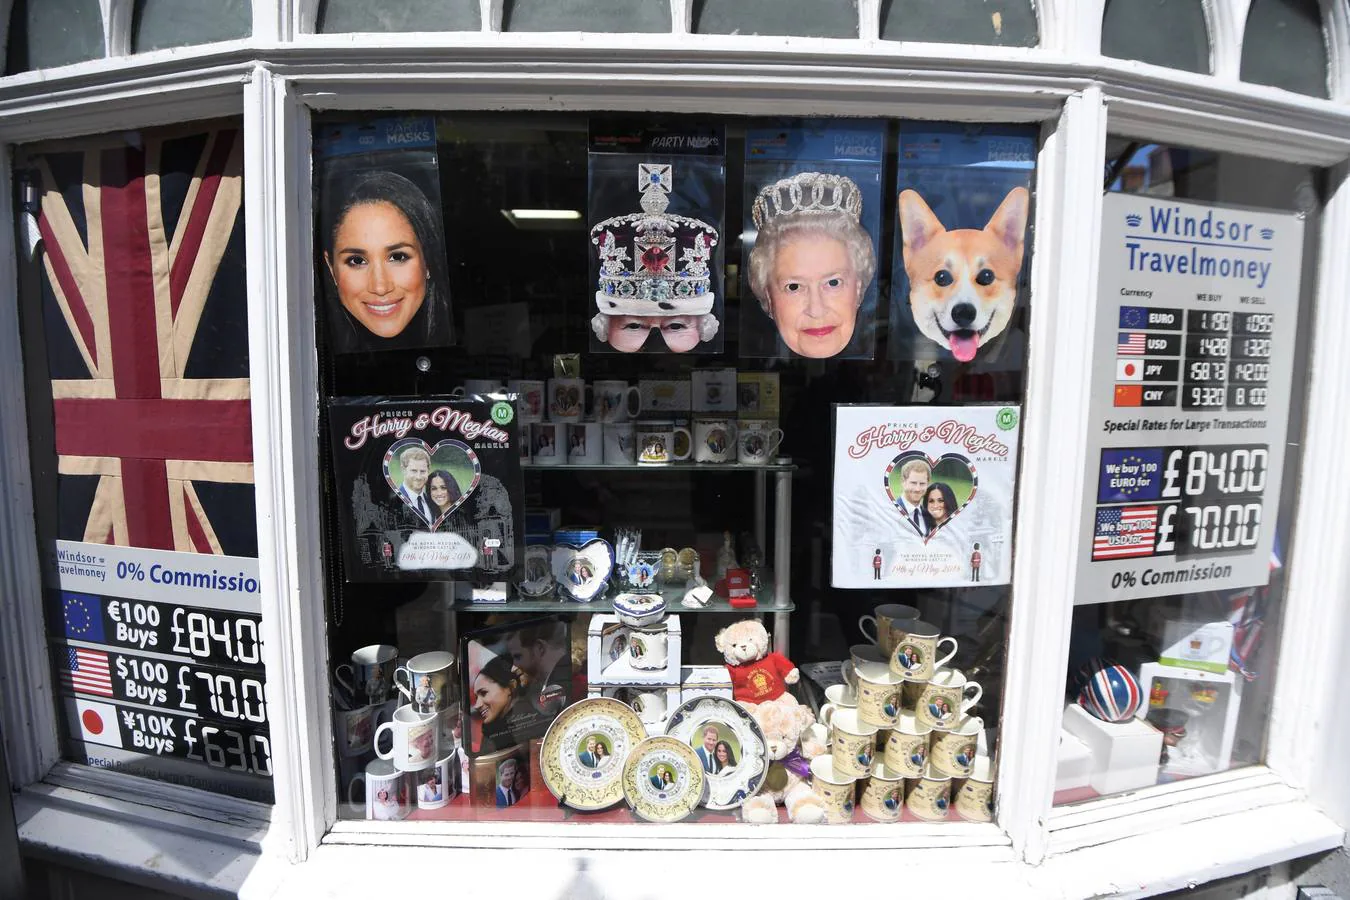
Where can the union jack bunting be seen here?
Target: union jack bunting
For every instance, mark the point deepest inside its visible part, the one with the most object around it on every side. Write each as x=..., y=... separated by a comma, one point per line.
x=144, y=301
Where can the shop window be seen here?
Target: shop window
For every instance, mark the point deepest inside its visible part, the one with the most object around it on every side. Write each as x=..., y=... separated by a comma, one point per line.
x=47, y=33
x=601, y=388
x=1208, y=263
x=1170, y=33
x=1284, y=46
x=134, y=311
x=651, y=16
x=158, y=24
x=344, y=16
x=822, y=18
x=1004, y=23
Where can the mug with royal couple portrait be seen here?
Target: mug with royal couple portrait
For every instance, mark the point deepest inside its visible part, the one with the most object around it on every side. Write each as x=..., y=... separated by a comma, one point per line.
x=813, y=261
x=548, y=443
x=529, y=399
x=917, y=648
x=387, y=792
x=757, y=441
x=947, y=698
x=383, y=247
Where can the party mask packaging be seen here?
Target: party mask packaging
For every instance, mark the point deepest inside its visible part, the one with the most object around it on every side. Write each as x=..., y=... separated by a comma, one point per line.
x=429, y=488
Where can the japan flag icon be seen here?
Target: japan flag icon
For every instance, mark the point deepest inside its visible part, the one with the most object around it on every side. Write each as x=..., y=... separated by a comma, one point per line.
x=93, y=722
x=1129, y=370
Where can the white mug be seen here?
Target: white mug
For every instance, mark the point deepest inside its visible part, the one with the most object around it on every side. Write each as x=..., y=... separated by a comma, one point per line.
x=655, y=443
x=387, y=794
x=649, y=705
x=757, y=441
x=616, y=401
x=714, y=440
x=837, y=696
x=585, y=443
x=947, y=698
x=567, y=399
x=647, y=648
x=369, y=676
x=529, y=399
x=548, y=443
x=355, y=729
x=426, y=681
x=415, y=741
x=434, y=787
x=620, y=446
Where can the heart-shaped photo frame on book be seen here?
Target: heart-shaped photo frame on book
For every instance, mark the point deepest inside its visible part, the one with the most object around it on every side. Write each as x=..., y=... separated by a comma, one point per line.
x=951, y=485
x=432, y=481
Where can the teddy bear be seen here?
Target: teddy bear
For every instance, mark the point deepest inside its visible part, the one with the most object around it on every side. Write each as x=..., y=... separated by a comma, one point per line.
x=756, y=674
x=793, y=739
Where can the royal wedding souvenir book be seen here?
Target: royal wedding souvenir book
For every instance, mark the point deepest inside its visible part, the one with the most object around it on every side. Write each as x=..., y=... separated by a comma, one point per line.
x=427, y=488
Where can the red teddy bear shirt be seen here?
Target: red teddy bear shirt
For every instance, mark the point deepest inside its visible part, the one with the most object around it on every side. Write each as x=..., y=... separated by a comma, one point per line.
x=762, y=680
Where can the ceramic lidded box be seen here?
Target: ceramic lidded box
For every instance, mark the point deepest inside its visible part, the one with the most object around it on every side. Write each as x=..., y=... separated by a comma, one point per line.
x=640, y=610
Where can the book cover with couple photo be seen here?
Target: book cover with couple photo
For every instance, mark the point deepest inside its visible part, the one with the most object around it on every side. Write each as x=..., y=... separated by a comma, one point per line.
x=427, y=488
x=923, y=495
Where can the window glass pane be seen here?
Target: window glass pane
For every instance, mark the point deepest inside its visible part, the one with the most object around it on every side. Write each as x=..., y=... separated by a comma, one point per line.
x=339, y=16
x=1006, y=23
x=586, y=15
x=141, y=440
x=1209, y=273
x=1168, y=33
x=518, y=197
x=820, y=18
x=1284, y=46
x=46, y=33
x=175, y=23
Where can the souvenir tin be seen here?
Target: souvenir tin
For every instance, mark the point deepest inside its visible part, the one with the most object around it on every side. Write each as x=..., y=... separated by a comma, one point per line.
x=663, y=780
x=582, y=572
x=585, y=749
x=706, y=724
x=640, y=610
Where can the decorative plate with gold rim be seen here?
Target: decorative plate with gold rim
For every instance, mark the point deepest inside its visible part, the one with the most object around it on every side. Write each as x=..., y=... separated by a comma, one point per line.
x=729, y=745
x=663, y=780
x=585, y=750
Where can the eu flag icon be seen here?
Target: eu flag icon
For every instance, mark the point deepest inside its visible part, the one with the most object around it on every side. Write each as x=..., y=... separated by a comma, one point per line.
x=1133, y=316
x=83, y=616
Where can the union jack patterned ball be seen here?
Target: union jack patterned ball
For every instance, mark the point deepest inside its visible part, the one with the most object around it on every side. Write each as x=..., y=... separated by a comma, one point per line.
x=1110, y=692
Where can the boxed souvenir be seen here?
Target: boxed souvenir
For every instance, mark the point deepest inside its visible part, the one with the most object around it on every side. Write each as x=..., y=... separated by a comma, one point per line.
x=1197, y=646
x=501, y=779
x=652, y=702
x=1124, y=754
x=700, y=681
x=757, y=395
x=619, y=654
x=714, y=390
x=1073, y=765
x=665, y=395
x=542, y=520
x=1210, y=702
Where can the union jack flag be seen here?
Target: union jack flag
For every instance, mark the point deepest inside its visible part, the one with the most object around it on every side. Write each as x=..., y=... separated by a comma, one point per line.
x=147, y=340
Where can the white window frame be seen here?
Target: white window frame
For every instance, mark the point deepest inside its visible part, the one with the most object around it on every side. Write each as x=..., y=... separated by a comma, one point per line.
x=1247, y=817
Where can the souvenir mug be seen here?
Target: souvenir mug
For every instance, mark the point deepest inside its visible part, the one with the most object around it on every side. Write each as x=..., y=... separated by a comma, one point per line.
x=355, y=728
x=944, y=699
x=878, y=697
x=616, y=401
x=415, y=743
x=953, y=752
x=930, y=795
x=975, y=797
x=620, y=447
x=647, y=648
x=837, y=696
x=649, y=705
x=917, y=645
x=567, y=399
x=387, y=795
x=867, y=658
x=910, y=692
x=548, y=443
x=835, y=788
x=585, y=444
x=757, y=441
x=425, y=681
x=370, y=672
x=883, y=794
x=852, y=742
x=714, y=440
x=714, y=390
x=529, y=399
x=884, y=620
x=907, y=745
x=655, y=442
x=434, y=785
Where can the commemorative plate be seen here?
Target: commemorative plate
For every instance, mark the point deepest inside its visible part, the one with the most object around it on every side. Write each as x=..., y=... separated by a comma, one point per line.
x=729, y=746
x=585, y=749
x=663, y=780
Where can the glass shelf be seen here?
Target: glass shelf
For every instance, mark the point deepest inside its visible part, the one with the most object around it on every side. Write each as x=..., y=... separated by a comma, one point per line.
x=673, y=467
x=604, y=604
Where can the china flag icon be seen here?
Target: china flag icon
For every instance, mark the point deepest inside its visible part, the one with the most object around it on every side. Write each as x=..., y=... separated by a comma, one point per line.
x=1129, y=369
x=93, y=722
x=1129, y=394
